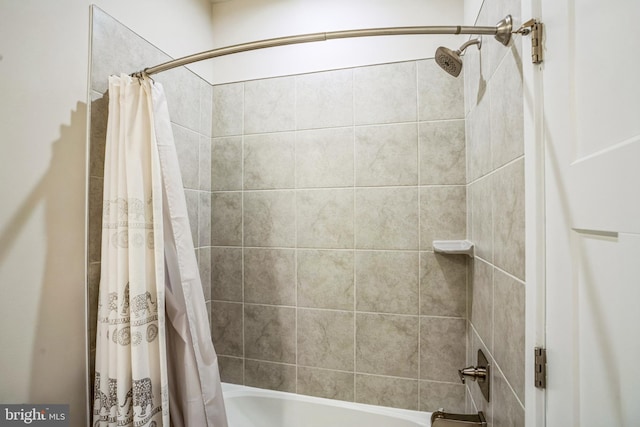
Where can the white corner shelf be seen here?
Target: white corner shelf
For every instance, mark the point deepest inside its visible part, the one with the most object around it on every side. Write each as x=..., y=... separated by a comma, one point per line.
x=453, y=247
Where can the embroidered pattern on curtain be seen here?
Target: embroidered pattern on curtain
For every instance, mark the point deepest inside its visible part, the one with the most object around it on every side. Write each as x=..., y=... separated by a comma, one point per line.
x=153, y=344
x=131, y=381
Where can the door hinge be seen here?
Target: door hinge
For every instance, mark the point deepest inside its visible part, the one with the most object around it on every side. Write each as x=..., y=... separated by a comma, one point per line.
x=536, y=43
x=533, y=28
x=540, y=364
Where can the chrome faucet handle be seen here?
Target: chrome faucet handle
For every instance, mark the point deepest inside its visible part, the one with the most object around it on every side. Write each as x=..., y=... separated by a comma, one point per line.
x=473, y=373
x=481, y=373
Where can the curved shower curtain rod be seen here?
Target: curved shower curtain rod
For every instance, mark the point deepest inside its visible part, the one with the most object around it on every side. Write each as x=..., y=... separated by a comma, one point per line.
x=501, y=31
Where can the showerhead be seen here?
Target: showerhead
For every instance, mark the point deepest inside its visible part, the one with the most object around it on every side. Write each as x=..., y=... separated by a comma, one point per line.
x=451, y=61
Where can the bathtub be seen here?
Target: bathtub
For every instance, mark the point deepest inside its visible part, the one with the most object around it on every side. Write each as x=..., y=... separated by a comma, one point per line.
x=254, y=407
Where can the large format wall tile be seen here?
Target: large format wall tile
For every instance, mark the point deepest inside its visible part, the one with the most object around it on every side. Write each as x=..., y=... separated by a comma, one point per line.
x=507, y=411
x=481, y=301
x=269, y=218
x=269, y=276
x=226, y=163
x=387, y=282
x=386, y=155
x=386, y=391
x=94, y=235
x=324, y=99
x=478, y=138
x=116, y=49
x=385, y=93
x=496, y=52
x=326, y=383
x=269, y=105
x=481, y=224
x=182, y=88
x=226, y=274
x=443, y=284
x=387, y=218
x=442, y=348
x=273, y=376
x=478, y=401
x=204, y=267
x=188, y=149
x=206, y=109
x=475, y=84
x=204, y=220
x=192, y=199
x=324, y=158
x=440, y=96
x=436, y=395
x=509, y=324
x=443, y=214
x=269, y=333
x=508, y=222
x=324, y=219
x=325, y=279
x=228, y=107
x=226, y=219
x=98, y=133
x=269, y=161
x=325, y=339
x=93, y=290
x=231, y=369
x=205, y=163
x=226, y=328
x=507, y=123
x=442, y=152
x=387, y=345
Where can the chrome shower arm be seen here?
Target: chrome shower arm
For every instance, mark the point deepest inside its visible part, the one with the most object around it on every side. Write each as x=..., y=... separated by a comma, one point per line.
x=471, y=42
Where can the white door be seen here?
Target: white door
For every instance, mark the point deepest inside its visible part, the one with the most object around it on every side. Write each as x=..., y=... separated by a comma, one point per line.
x=591, y=136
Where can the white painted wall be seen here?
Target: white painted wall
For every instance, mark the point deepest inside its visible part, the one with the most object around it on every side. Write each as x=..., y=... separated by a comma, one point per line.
x=43, y=113
x=241, y=21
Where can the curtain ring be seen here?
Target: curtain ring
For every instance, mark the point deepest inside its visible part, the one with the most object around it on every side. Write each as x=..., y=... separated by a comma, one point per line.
x=142, y=75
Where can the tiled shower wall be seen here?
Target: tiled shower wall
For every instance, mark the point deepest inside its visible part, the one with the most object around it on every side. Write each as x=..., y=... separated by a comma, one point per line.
x=116, y=49
x=314, y=229
x=327, y=191
x=495, y=178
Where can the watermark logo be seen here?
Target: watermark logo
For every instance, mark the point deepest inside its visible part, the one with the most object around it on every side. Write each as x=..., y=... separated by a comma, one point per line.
x=34, y=415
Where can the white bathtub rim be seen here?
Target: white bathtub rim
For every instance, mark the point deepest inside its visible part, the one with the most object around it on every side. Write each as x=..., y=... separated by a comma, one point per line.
x=235, y=390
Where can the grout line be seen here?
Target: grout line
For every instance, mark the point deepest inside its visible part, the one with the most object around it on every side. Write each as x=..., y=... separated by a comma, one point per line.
x=343, y=188
x=256, y=304
x=418, y=160
x=295, y=223
x=318, y=249
x=341, y=370
x=473, y=401
x=221, y=301
x=327, y=128
x=508, y=274
x=188, y=129
x=494, y=171
x=355, y=213
x=242, y=235
x=493, y=361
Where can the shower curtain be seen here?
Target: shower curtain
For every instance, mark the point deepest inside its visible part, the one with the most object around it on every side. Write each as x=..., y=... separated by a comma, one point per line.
x=155, y=362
